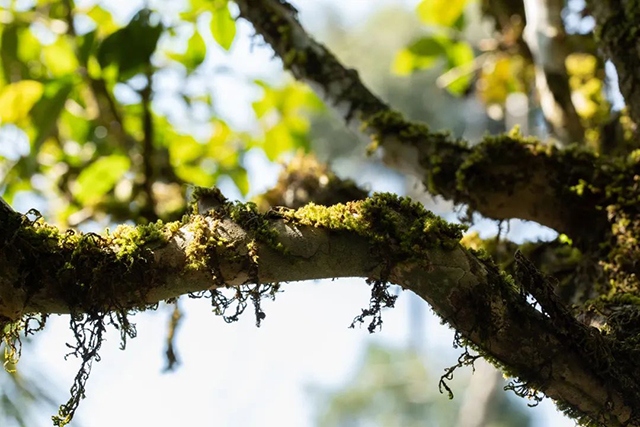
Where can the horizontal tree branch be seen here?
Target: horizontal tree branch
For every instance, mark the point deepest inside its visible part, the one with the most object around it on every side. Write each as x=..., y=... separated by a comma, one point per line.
x=383, y=238
x=502, y=177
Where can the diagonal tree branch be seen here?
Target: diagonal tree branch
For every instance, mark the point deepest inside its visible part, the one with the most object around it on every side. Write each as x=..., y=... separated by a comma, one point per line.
x=502, y=177
x=384, y=238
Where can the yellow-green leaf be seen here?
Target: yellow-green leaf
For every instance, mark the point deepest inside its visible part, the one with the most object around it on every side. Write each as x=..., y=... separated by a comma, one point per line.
x=17, y=99
x=441, y=12
x=420, y=54
x=60, y=58
x=223, y=26
x=240, y=179
x=195, y=53
x=100, y=177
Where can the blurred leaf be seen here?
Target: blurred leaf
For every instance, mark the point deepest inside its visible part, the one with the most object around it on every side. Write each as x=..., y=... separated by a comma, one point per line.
x=86, y=45
x=100, y=177
x=195, y=53
x=29, y=48
x=221, y=148
x=223, y=26
x=283, y=115
x=441, y=12
x=459, y=54
x=103, y=20
x=197, y=7
x=9, y=51
x=131, y=47
x=196, y=175
x=17, y=99
x=460, y=63
x=421, y=54
x=45, y=112
x=60, y=57
x=278, y=140
x=184, y=149
x=240, y=179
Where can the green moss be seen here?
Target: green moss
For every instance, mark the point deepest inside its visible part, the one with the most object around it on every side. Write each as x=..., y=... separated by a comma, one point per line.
x=385, y=219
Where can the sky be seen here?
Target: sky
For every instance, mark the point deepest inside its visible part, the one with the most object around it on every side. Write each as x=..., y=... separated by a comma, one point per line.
x=237, y=374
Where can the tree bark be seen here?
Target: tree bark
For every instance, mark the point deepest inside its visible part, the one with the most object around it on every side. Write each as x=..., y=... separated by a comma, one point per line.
x=483, y=305
x=502, y=178
x=617, y=31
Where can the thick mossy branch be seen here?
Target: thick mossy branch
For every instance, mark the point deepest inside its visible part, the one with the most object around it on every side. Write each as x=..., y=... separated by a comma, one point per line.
x=233, y=253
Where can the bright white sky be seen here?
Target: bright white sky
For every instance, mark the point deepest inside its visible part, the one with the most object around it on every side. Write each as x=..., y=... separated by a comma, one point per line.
x=239, y=375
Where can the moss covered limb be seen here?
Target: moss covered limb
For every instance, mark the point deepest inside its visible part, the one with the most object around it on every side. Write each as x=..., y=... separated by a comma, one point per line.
x=385, y=238
x=501, y=177
x=46, y=270
x=618, y=33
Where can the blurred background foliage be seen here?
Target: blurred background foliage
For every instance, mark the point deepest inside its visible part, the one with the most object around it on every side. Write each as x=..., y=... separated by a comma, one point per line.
x=108, y=117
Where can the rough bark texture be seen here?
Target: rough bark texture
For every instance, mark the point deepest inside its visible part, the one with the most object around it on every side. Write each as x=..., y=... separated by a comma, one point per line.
x=485, y=307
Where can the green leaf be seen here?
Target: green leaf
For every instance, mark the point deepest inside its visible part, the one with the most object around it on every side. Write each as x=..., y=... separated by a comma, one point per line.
x=278, y=140
x=17, y=99
x=441, y=12
x=131, y=47
x=421, y=54
x=459, y=54
x=100, y=177
x=45, y=113
x=195, y=53
x=185, y=149
x=103, y=20
x=9, y=51
x=60, y=57
x=460, y=65
x=86, y=45
x=196, y=175
x=223, y=26
x=240, y=179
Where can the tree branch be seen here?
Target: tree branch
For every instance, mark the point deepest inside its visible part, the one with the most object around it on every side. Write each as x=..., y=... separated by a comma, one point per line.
x=617, y=32
x=502, y=177
x=547, y=40
x=384, y=238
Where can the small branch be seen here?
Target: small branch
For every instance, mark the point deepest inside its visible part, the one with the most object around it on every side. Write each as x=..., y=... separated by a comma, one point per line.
x=617, y=34
x=148, y=151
